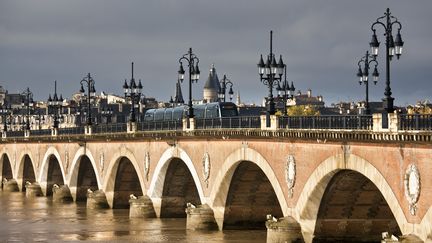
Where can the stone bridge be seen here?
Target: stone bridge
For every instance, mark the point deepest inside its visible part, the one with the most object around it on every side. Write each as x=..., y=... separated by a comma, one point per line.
x=309, y=184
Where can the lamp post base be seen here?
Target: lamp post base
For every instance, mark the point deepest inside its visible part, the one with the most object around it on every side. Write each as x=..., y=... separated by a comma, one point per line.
x=388, y=104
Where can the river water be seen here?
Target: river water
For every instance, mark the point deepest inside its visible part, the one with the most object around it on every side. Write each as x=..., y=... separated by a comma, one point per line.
x=40, y=220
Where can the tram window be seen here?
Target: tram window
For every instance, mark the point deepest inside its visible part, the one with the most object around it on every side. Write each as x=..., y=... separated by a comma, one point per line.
x=168, y=114
x=178, y=113
x=159, y=114
x=199, y=111
x=149, y=115
x=212, y=111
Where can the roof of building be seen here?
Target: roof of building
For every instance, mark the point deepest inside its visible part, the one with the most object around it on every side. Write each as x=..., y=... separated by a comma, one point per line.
x=212, y=80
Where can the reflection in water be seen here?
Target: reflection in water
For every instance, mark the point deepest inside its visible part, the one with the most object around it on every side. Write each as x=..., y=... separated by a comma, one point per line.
x=40, y=220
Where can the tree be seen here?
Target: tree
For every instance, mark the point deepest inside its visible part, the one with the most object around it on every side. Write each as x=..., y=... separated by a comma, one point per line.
x=303, y=110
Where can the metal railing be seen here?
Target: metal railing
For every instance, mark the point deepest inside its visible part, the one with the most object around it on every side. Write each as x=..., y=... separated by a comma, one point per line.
x=160, y=125
x=363, y=122
x=15, y=133
x=229, y=122
x=109, y=128
x=71, y=130
x=40, y=132
x=414, y=122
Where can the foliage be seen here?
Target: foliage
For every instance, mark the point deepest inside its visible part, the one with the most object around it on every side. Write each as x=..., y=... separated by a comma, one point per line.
x=303, y=110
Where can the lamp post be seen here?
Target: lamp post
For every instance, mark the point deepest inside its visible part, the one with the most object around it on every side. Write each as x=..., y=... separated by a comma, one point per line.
x=133, y=92
x=28, y=103
x=364, y=75
x=222, y=90
x=91, y=93
x=285, y=90
x=393, y=47
x=107, y=112
x=55, y=104
x=194, y=73
x=270, y=73
x=4, y=110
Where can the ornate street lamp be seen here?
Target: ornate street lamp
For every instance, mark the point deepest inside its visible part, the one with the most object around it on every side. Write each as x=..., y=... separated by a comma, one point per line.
x=285, y=90
x=133, y=92
x=194, y=74
x=270, y=74
x=107, y=112
x=393, y=47
x=91, y=94
x=222, y=90
x=27, y=101
x=364, y=75
x=55, y=103
x=4, y=110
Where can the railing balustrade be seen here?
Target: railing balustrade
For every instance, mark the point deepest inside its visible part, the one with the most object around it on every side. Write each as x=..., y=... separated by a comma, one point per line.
x=362, y=122
x=15, y=133
x=160, y=125
x=414, y=122
x=71, y=130
x=229, y=122
x=109, y=128
x=40, y=132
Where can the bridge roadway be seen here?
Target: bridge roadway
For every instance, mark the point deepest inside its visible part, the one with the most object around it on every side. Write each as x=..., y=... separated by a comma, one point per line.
x=321, y=184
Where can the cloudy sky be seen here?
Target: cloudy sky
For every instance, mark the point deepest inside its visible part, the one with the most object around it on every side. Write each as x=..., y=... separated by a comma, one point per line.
x=321, y=42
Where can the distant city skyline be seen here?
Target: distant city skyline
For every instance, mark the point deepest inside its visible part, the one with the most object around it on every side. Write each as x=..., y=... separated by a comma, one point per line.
x=321, y=43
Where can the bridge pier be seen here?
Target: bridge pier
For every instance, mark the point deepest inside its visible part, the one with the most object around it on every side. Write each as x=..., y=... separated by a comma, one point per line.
x=61, y=193
x=285, y=229
x=141, y=207
x=96, y=199
x=33, y=190
x=200, y=217
x=10, y=185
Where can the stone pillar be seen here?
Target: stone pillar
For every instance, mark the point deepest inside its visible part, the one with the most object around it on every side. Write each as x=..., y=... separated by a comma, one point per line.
x=200, y=217
x=274, y=122
x=33, y=189
x=54, y=132
x=393, y=122
x=377, y=122
x=285, y=229
x=61, y=193
x=4, y=135
x=10, y=185
x=131, y=127
x=141, y=207
x=191, y=124
x=88, y=130
x=26, y=133
x=96, y=199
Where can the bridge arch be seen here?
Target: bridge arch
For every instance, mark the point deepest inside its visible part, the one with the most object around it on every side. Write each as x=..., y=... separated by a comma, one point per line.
x=6, y=170
x=51, y=153
x=308, y=204
x=109, y=178
x=221, y=184
x=82, y=153
x=157, y=183
x=26, y=170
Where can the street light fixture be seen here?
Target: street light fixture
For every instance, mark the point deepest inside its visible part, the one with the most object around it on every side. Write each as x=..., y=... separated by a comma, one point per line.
x=91, y=94
x=194, y=73
x=270, y=74
x=364, y=75
x=285, y=90
x=222, y=90
x=28, y=103
x=55, y=103
x=133, y=92
x=392, y=48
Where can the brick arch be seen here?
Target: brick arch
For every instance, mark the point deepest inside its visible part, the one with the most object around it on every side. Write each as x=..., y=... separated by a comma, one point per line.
x=307, y=206
x=74, y=170
x=20, y=171
x=155, y=190
x=43, y=171
x=110, y=176
x=220, y=188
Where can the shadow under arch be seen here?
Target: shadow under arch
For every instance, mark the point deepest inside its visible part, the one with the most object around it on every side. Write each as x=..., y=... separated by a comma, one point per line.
x=157, y=184
x=5, y=168
x=308, y=203
x=52, y=169
x=83, y=174
x=221, y=184
x=26, y=171
x=124, y=156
